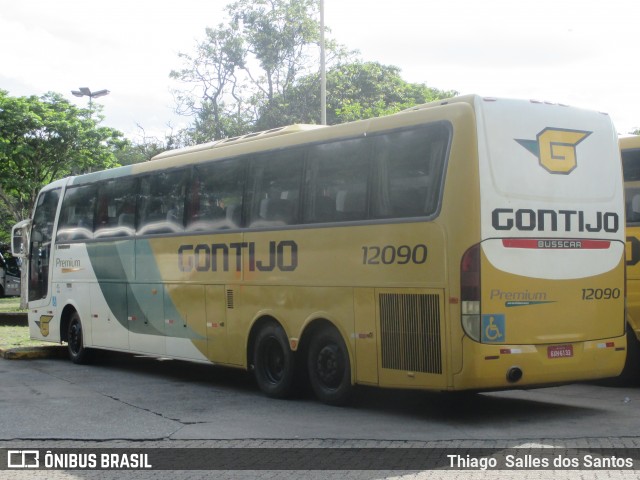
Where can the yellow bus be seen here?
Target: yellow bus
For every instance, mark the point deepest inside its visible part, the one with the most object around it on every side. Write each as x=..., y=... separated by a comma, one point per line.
x=630, y=152
x=467, y=244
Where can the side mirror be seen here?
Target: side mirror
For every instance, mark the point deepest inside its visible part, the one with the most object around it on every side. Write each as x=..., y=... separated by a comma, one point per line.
x=19, y=238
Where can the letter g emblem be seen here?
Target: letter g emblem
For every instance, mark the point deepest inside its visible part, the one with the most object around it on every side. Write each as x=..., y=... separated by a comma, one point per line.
x=556, y=149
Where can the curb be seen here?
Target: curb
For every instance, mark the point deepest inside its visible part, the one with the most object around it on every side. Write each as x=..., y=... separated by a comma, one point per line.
x=27, y=353
x=13, y=319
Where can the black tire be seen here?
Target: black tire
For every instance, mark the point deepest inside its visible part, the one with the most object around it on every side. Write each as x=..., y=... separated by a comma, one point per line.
x=329, y=367
x=631, y=373
x=273, y=361
x=75, y=341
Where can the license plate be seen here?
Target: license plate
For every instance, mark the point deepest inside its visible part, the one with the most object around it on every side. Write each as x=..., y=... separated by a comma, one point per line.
x=559, y=351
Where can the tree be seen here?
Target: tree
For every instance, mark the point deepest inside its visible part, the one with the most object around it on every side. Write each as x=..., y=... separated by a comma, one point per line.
x=242, y=67
x=355, y=91
x=44, y=139
x=211, y=77
x=145, y=147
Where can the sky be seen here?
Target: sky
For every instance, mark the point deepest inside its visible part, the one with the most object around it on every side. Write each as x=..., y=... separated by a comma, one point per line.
x=576, y=52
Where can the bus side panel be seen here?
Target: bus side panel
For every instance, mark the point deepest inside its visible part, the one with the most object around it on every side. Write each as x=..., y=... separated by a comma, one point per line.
x=113, y=268
x=630, y=153
x=365, y=336
x=109, y=319
x=633, y=278
x=216, y=298
x=72, y=275
x=145, y=312
x=186, y=328
x=293, y=307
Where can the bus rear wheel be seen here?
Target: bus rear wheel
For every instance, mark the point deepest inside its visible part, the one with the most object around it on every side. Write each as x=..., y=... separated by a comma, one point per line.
x=630, y=374
x=75, y=341
x=273, y=361
x=329, y=367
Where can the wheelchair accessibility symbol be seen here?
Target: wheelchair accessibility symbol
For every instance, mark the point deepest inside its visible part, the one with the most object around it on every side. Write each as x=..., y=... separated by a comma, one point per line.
x=493, y=328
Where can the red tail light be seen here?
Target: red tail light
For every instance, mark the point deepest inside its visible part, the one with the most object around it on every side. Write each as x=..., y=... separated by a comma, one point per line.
x=470, y=291
x=470, y=274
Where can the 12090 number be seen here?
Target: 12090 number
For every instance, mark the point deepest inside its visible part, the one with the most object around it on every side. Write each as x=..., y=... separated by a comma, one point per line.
x=600, y=293
x=392, y=255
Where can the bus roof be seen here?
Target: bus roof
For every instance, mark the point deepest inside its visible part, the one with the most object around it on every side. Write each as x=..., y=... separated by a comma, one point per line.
x=297, y=128
x=239, y=139
x=629, y=142
x=278, y=138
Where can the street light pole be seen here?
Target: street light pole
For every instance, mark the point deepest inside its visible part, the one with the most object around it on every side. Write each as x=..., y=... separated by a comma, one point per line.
x=323, y=74
x=85, y=92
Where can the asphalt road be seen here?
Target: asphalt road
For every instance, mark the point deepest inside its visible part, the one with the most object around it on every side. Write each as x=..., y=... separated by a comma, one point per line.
x=124, y=401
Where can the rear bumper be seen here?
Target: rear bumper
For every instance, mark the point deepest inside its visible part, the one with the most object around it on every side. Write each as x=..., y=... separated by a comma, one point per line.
x=487, y=367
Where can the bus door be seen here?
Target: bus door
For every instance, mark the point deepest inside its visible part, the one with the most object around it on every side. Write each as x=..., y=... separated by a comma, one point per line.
x=40, y=246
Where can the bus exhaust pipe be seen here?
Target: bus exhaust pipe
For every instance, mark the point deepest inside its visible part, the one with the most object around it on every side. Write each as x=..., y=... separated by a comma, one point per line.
x=514, y=374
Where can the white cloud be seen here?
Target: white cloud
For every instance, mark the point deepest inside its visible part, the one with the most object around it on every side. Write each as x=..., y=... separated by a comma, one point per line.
x=576, y=52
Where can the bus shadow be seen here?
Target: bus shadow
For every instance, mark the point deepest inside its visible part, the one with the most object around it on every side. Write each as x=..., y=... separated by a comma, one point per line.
x=470, y=408
x=175, y=370
x=451, y=408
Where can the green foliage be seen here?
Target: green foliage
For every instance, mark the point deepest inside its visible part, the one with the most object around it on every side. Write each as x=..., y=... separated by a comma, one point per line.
x=145, y=147
x=278, y=35
x=267, y=46
x=260, y=71
x=355, y=91
x=209, y=77
x=44, y=139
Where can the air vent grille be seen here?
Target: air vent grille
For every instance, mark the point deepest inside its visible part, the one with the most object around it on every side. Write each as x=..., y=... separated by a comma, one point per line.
x=410, y=332
x=230, y=299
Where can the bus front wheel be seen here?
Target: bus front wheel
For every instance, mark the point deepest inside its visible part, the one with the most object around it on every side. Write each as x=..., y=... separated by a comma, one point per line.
x=273, y=361
x=329, y=367
x=75, y=342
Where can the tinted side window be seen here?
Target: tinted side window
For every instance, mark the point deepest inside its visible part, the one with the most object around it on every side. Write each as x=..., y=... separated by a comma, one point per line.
x=276, y=179
x=337, y=182
x=631, y=169
x=161, y=202
x=116, y=208
x=215, y=196
x=13, y=267
x=409, y=168
x=631, y=165
x=76, y=214
x=40, y=248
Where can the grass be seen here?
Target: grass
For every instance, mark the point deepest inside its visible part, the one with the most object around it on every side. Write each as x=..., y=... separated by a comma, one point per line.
x=10, y=304
x=15, y=336
x=12, y=337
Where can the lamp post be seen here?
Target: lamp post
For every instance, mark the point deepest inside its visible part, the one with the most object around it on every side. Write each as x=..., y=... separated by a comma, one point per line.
x=85, y=92
x=323, y=74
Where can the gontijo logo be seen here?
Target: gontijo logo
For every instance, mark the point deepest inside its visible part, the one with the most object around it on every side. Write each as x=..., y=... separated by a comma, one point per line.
x=556, y=148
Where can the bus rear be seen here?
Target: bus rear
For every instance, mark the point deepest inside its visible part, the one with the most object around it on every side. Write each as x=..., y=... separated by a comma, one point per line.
x=542, y=293
x=630, y=152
